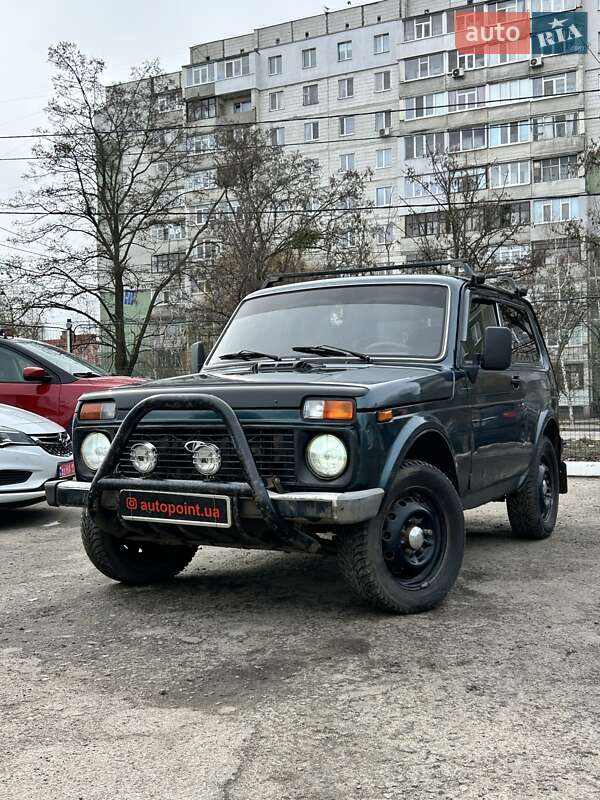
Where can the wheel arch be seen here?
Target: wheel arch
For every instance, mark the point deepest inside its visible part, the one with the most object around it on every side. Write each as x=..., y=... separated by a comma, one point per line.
x=548, y=426
x=422, y=439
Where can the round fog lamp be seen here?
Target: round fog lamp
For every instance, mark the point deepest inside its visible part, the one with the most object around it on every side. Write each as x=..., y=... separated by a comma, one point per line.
x=327, y=456
x=94, y=448
x=143, y=457
x=206, y=458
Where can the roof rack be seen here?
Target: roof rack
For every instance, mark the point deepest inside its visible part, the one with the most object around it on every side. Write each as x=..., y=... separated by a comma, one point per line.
x=508, y=278
x=474, y=277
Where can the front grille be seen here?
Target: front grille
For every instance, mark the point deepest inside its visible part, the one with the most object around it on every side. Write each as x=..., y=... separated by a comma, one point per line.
x=57, y=444
x=8, y=477
x=273, y=450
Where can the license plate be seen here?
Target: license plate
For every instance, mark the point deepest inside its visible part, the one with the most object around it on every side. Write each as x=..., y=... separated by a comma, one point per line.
x=66, y=470
x=187, y=509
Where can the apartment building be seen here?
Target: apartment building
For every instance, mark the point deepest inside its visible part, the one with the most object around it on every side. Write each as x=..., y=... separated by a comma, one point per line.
x=380, y=86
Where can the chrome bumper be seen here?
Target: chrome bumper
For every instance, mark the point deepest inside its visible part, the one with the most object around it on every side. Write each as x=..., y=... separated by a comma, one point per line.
x=336, y=508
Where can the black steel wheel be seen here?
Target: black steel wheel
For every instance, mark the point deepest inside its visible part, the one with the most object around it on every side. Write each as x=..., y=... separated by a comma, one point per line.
x=129, y=561
x=533, y=509
x=407, y=558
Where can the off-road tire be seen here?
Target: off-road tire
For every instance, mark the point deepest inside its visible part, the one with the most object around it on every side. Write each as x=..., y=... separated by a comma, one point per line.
x=360, y=549
x=132, y=562
x=525, y=507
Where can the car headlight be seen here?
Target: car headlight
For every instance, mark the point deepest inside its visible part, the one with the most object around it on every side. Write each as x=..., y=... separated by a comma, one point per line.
x=94, y=449
x=9, y=436
x=327, y=456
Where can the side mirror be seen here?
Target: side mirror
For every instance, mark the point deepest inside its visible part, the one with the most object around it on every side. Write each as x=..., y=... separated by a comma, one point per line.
x=197, y=356
x=497, y=349
x=36, y=375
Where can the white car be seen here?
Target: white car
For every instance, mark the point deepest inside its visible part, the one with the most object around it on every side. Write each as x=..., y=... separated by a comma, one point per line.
x=33, y=450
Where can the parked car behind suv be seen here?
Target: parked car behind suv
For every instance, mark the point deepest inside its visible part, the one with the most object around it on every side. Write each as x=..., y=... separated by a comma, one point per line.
x=48, y=381
x=33, y=450
x=357, y=415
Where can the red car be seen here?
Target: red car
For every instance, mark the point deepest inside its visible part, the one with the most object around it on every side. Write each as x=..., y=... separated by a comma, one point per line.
x=48, y=381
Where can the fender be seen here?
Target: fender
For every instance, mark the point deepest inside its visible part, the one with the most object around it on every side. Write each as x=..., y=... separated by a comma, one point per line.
x=408, y=435
x=543, y=420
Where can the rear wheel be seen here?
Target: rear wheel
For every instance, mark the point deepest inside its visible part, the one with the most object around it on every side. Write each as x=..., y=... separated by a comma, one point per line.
x=407, y=558
x=132, y=562
x=532, y=510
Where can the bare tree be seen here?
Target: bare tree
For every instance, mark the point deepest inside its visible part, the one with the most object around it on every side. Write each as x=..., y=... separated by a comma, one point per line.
x=461, y=218
x=106, y=179
x=277, y=213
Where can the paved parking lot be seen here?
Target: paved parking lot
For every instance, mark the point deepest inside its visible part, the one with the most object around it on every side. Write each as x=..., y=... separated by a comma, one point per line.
x=258, y=675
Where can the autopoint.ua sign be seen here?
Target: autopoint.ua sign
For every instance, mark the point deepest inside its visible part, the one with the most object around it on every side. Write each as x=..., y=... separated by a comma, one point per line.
x=521, y=33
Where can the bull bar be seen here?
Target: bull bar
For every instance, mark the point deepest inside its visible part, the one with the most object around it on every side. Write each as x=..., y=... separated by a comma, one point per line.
x=278, y=510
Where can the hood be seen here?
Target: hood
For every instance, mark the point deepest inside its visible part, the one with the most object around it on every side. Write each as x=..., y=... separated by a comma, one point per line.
x=372, y=385
x=25, y=421
x=103, y=382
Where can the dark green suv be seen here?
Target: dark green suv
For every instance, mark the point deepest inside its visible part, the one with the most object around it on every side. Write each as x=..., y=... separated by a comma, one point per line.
x=357, y=414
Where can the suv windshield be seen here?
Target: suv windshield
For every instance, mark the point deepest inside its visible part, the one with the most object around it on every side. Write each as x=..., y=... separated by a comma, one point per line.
x=402, y=320
x=75, y=366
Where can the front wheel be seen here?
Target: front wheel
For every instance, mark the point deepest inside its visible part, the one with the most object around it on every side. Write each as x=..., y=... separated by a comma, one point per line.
x=129, y=561
x=533, y=508
x=406, y=559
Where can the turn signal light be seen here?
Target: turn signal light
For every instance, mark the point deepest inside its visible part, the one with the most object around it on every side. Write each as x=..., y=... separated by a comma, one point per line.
x=385, y=415
x=91, y=410
x=338, y=410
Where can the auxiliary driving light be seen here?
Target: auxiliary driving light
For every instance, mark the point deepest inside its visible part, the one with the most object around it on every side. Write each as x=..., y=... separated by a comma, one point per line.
x=206, y=457
x=143, y=457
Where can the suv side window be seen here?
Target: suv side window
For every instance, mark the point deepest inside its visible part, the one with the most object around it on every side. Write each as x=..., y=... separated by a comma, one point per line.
x=482, y=315
x=525, y=348
x=12, y=365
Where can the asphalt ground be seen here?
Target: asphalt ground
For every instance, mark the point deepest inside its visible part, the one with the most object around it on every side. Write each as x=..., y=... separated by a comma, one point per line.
x=259, y=675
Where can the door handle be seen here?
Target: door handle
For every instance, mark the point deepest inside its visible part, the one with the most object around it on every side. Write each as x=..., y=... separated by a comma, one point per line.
x=515, y=381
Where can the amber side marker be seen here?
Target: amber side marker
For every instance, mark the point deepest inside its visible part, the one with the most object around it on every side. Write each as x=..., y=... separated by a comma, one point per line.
x=385, y=415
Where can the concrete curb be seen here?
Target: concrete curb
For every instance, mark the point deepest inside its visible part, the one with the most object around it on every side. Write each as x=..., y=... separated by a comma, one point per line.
x=583, y=469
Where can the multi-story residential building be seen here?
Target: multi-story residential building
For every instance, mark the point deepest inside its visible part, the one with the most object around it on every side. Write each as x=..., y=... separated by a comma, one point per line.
x=380, y=86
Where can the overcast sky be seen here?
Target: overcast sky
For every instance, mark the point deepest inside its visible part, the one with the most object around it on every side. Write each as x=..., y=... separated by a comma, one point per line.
x=123, y=33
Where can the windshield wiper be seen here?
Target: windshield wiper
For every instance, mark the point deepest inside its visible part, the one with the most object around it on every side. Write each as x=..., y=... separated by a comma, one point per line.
x=86, y=375
x=248, y=355
x=330, y=350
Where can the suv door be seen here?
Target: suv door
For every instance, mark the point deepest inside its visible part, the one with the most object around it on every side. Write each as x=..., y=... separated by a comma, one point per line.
x=497, y=408
x=40, y=398
x=528, y=369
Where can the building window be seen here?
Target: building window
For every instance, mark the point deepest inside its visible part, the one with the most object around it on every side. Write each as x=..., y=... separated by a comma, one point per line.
x=465, y=60
x=233, y=68
x=510, y=91
x=383, y=81
x=309, y=58
x=549, y=6
x=201, y=143
x=165, y=262
x=206, y=179
x=201, y=215
x=275, y=65
x=345, y=88
x=311, y=131
x=205, y=251
x=425, y=27
x=383, y=196
x=383, y=119
x=310, y=95
x=202, y=109
x=560, y=168
x=171, y=232
x=466, y=139
x=384, y=158
x=346, y=162
x=344, y=51
x=424, y=66
x=515, y=173
x=549, y=85
x=312, y=166
x=240, y=106
x=555, y=126
x=381, y=43
x=426, y=224
x=424, y=145
x=386, y=234
x=509, y=215
x=203, y=73
x=423, y=186
x=557, y=210
x=509, y=133
x=464, y=99
x=346, y=126
x=425, y=105
x=275, y=101
x=168, y=101
x=277, y=136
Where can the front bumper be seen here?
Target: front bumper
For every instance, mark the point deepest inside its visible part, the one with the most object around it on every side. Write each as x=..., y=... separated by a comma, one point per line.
x=335, y=508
